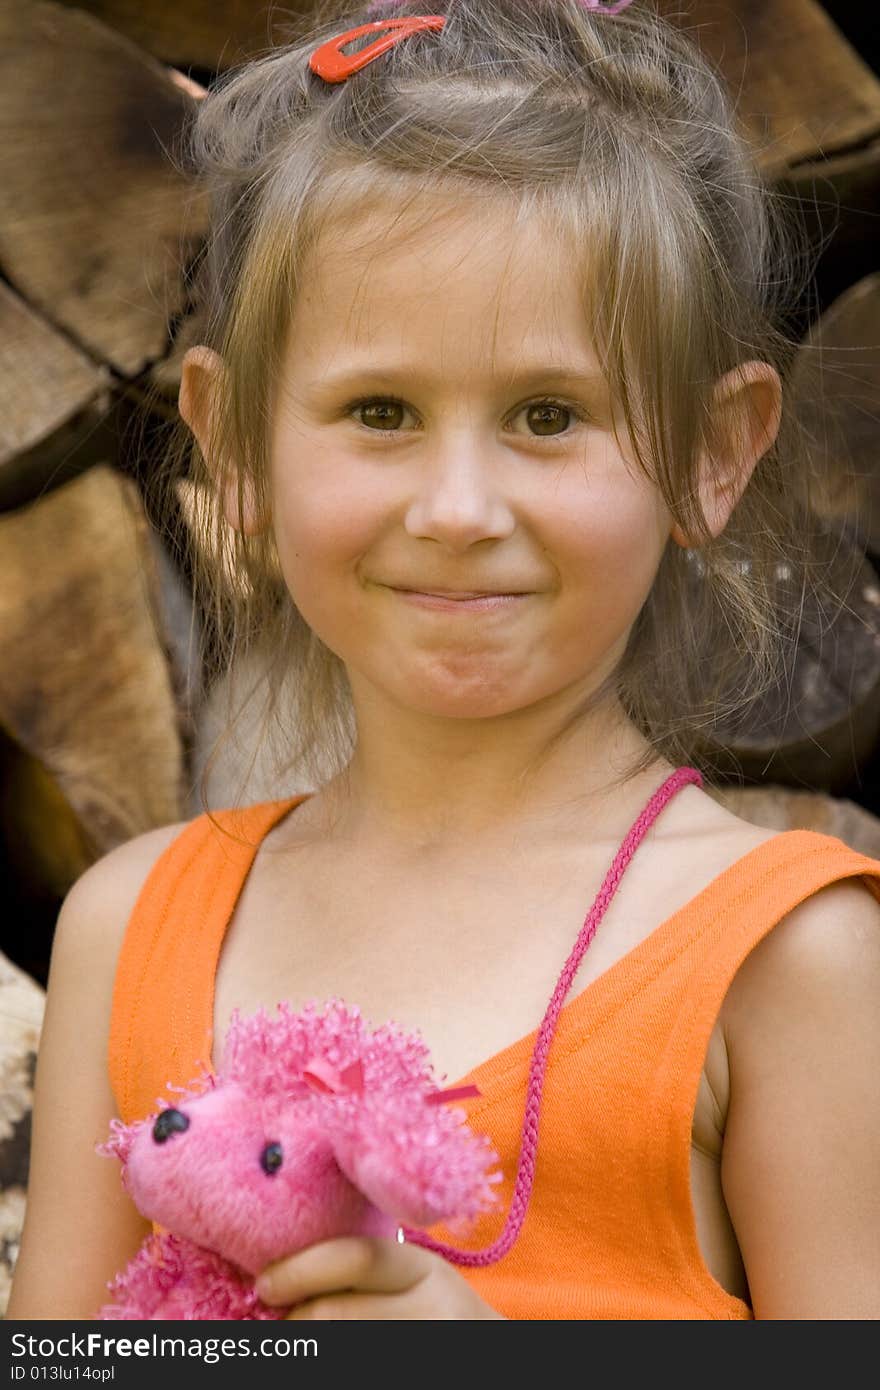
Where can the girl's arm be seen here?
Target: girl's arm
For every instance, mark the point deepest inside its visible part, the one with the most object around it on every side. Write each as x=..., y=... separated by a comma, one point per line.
x=801, y=1158
x=80, y=1227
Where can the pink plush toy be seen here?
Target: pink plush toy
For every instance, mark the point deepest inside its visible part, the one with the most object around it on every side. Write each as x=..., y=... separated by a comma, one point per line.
x=316, y=1127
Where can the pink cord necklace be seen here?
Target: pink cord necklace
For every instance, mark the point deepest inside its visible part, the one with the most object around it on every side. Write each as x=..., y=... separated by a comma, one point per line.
x=529, y=1142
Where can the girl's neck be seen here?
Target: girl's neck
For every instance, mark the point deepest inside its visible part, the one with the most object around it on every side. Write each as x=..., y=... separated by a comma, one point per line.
x=392, y=795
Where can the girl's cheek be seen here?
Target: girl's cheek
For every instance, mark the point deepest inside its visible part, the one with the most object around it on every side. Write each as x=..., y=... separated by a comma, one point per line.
x=324, y=495
x=323, y=546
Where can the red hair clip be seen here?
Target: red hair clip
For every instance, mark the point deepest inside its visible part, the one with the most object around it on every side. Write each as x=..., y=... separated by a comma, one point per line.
x=334, y=66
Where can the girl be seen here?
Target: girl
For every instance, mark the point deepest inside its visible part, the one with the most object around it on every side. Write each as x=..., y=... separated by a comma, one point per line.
x=489, y=390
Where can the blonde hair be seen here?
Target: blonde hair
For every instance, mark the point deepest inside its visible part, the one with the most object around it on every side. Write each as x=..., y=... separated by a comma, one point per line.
x=617, y=130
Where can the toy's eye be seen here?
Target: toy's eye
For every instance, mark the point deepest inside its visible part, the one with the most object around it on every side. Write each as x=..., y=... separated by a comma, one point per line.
x=271, y=1158
x=169, y=1122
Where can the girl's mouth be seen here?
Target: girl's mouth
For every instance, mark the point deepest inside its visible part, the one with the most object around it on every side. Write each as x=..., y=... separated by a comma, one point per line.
x=482, y=603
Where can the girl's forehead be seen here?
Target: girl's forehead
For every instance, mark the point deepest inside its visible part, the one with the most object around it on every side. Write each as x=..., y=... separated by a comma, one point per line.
x=480, y=238
x=474, y=271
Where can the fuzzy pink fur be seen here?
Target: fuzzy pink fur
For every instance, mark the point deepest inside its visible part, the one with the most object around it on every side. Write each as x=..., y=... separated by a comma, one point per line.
x=363, y=1151
x=175, y=1279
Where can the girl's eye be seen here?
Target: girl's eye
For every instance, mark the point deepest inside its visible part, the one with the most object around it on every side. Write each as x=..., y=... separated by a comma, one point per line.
x=545, y=418
x=383, y=415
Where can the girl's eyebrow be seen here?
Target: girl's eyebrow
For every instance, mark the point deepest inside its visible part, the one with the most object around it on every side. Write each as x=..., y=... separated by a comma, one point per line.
x=360, y=376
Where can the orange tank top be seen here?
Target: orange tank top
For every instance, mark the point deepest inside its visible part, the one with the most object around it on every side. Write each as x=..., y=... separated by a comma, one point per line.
x=609, y=1231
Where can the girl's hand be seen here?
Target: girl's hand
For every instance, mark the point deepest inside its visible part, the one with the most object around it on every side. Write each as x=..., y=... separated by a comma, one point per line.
x=358, y=1278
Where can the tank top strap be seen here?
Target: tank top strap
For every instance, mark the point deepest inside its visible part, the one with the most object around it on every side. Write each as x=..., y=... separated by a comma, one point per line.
x=719, y=932
x=162, y=1007
x=721, y=928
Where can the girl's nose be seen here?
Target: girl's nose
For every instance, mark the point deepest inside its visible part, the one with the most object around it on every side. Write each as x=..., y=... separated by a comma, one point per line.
x=459, y=497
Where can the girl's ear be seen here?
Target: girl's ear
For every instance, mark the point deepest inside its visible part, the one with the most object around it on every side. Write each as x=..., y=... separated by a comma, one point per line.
x=746, y=419
x=202, y=374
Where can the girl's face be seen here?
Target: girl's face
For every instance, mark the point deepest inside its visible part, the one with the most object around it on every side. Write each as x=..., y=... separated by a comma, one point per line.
x=441, y=425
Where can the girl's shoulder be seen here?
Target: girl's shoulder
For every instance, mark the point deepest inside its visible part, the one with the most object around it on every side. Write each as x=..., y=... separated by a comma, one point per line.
x=825, y=944
x=126, y=864
x=122, y=869
x=827, y=947
x=98, y=905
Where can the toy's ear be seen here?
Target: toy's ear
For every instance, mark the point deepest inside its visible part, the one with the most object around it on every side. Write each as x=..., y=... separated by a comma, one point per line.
x=398, y=1195
x=417, y=1163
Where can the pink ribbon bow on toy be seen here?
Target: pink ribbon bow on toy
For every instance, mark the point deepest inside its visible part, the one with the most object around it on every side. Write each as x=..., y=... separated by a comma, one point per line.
x=320, y=1076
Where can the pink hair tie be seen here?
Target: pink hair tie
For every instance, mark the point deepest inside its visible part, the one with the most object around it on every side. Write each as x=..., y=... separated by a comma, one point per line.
x=597, y=6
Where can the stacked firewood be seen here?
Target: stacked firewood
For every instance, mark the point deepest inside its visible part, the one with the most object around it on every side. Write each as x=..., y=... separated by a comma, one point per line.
x=105, y=717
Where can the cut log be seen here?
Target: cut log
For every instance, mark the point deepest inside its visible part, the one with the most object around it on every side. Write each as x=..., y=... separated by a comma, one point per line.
x=85, y=686
x=835, y=388
x=57, y=413
x=839, y=198
x=802, y=91
x=820, y=727
x=22, y=1003
x=45, y=849
x=44, y=842
x=94, y=220
x=210, y=34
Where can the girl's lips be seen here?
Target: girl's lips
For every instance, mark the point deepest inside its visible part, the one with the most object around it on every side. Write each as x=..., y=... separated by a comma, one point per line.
x=455, y=605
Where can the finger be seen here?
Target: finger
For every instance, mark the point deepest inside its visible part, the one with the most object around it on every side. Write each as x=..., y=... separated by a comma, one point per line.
x=367, y=1264
x=360, y=1307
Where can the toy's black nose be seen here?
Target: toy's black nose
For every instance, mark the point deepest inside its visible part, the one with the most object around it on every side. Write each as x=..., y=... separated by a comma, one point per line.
x=169, y=1122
